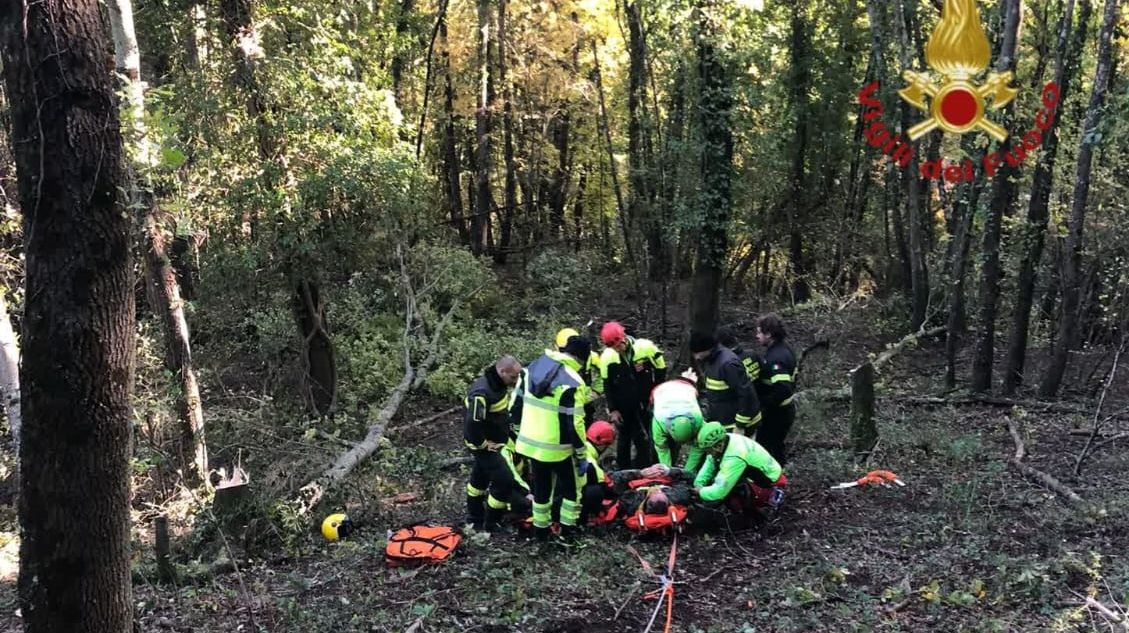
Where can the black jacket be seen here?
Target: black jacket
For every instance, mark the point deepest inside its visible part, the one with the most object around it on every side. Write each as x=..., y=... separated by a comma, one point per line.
x=730, y=397
x=487, y=410
x=776, y=384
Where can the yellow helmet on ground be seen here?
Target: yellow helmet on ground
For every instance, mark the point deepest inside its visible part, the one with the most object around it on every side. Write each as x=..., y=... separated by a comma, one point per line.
x=564, y=335
x=336, y=526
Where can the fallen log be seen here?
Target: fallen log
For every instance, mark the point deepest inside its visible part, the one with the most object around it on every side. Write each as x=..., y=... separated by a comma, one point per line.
x=907, y=340
x=423, y=421
x=1036, y=475
x=1109, y=614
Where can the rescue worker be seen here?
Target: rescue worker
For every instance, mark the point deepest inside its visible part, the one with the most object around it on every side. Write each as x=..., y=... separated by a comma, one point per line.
x=486, y=431
x=590, y=373
x=549, y=410
x=594, y=484
x=675, y=421
x=776, y=386
x=631, y=368
x=732, y=462
x=730, y=397
x=726, y=337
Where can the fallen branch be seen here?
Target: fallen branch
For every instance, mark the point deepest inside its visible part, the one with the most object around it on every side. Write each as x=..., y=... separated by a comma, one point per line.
x=906, y=341
x=456, y=461
x=1037, y=475
x=423, y=421
x=1107, y=613
x=311, y=494
x=1097, y=424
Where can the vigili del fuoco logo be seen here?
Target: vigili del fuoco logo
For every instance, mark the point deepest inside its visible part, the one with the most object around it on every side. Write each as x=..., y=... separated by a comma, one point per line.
x=958, y=103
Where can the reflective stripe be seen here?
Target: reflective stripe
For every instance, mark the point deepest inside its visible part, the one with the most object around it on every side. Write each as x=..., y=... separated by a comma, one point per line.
x=531, y=401
x=474, y=447
x=777, y=378
x=474, y=492
x=523, y=439
x=716, y=385
x=499, y=406
x=787, y=401
x=496, y=504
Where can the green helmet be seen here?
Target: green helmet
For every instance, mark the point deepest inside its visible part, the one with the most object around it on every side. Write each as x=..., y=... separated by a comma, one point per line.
x=711, y=434
x=682, y=429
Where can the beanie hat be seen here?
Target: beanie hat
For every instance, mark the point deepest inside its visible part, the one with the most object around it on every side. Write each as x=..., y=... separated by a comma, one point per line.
x=701, y=342
x=579, y=347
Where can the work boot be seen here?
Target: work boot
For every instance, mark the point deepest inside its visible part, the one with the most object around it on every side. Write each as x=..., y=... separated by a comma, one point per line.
x=476, y=512
x=494, y=522
x=541, y=534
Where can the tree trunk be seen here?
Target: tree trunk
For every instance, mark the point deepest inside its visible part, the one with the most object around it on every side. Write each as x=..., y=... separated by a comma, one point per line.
x=801, y=77
x=1068, y=326
x=164, y=291
x=319, y=364
x=484, y=200
x=78, y=320
x=919, y=273
x=10, y=373
x=639, y=159
x=1038, y=210
x=1003, y=197
x=452, y=177
x=715, y=106
x=965, y=211
x=506, y=228
x=864, y=431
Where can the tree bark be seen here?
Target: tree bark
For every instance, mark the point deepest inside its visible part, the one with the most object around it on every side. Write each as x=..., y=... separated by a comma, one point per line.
x=483, y=199
x=320, y=367
x=715, y=107
x=1068, y=325
x=639, y=157
x=164, y=291
x=965, y=211
x=1038, y=210
x=1003, y=197
x=77, y=372
x=864, y=431
x=799, y=80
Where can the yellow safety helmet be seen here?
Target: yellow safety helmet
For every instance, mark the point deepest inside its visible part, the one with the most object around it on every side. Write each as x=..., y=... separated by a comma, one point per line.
x=564, y=335
x=336, y=526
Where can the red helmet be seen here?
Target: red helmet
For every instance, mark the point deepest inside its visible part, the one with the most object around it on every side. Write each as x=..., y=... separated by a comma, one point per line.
x=601, y=433
x=612, y=333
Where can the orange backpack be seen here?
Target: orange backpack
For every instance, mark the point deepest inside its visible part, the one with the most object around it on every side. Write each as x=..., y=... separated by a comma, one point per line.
x=420, y=544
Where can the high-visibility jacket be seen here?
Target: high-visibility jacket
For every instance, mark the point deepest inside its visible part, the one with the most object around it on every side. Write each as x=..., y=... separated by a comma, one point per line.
x=672, y=399
x=776, y=384
x=548, y=407
x=487, y=411
x=629, y=377
x=730, y=397
x=592, y=373
x=716, y=480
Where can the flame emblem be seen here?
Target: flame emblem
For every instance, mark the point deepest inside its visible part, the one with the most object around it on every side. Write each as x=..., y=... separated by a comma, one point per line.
x=958, y=51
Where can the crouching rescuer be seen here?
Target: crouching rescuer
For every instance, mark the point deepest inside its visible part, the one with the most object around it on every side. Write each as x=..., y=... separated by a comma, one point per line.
x=485, y=430
x=548, y=406
x=738, y=475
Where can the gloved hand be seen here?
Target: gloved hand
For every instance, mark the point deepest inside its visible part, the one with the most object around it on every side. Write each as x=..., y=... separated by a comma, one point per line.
x=776, y=497
x=690, y=375
x=582, y=467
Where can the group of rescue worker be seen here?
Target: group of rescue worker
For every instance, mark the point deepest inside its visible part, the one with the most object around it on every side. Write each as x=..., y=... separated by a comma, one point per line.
x=537, y=446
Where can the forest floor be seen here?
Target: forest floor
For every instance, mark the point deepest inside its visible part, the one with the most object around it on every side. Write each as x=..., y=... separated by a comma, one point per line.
x=967, y=545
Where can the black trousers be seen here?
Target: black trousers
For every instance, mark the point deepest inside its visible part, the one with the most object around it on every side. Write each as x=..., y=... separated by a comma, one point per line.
x=555, y=479
x=774, y=427
x=632, y=432
x=490, y=472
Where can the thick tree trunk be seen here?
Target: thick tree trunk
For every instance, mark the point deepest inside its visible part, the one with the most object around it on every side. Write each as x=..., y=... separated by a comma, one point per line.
x=715, y=104
x=1003, y=197
x=10, y=373
x=1068, y=326
x=452, y=177
x=801, y=77
x=78, y=318
x=965, y=211
x=483, y=199
x=164, y=291
x=1038, y=209
x=319, y=365
x=640, y=161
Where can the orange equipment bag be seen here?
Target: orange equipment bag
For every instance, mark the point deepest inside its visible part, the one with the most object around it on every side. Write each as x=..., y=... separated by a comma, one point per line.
x=420, y=544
